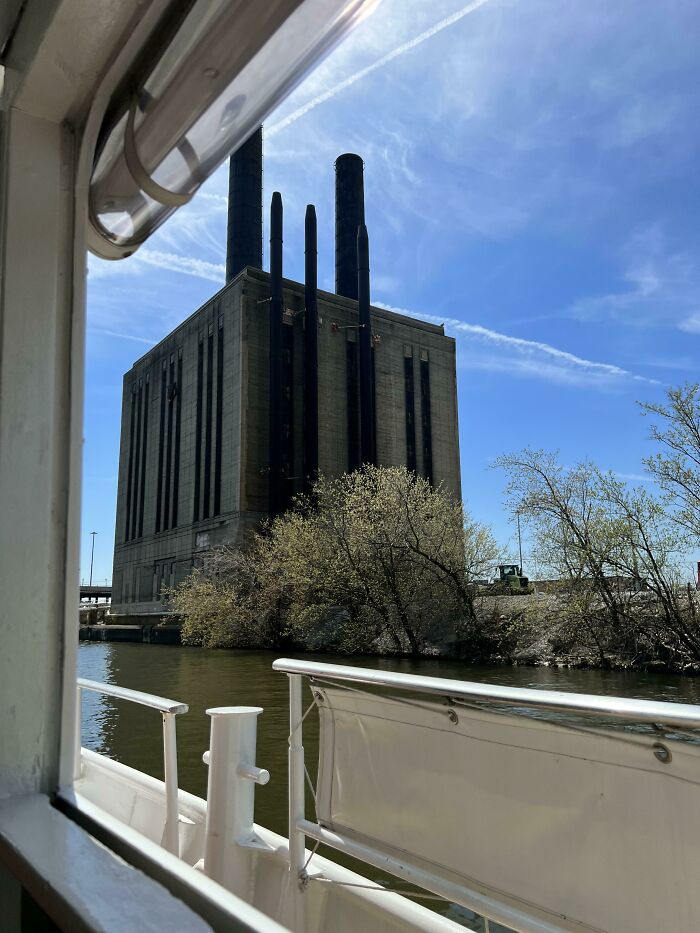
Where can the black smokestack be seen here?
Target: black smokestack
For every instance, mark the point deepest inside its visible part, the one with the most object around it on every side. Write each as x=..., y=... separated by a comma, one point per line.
x=276, y=311
x=367, y=427
x=244, y=245
x=349, y=215
x=310, y=350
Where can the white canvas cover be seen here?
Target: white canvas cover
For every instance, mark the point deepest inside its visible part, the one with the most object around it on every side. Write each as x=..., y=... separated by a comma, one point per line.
x=577, y=825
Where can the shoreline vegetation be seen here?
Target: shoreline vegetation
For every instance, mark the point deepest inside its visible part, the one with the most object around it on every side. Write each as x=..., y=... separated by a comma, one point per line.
x=381, y=562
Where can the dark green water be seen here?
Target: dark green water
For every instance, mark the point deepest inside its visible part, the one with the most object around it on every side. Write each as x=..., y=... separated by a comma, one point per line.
x=202, y=679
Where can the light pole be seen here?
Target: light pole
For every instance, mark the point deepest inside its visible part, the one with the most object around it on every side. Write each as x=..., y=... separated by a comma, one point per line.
x=92, y=555
x=520, y=543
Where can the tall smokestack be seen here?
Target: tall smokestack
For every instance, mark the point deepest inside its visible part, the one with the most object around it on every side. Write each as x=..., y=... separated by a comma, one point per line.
x=349, y=215
x=310, y=350
x=367, y=426
x=244, y=244
x=276, y=311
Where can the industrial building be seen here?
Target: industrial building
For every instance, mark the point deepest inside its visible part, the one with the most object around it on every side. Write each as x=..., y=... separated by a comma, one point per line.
x=271, y=381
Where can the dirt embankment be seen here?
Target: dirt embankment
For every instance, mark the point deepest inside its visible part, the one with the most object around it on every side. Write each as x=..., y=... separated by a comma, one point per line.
x=544, y=629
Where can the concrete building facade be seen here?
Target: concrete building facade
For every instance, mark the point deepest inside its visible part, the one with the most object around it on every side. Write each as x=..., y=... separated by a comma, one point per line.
x=197, y=443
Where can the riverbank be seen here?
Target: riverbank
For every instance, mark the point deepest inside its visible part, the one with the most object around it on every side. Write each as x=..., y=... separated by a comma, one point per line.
x=547, y=629
x=534, y=630
x=151, y=634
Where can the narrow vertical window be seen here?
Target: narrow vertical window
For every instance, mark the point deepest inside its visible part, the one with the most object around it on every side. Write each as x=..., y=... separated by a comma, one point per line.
x=373, y=402
x=198, y=431
x=353, y=406
x=130, y=466
x=287, y=414
x=137, y=460
x=169, y=444
x=207, y=423
x=219, y=416
x=426, y=422
x=178, y=423
x=144, y=451
x=161, y=446
x=410, y=405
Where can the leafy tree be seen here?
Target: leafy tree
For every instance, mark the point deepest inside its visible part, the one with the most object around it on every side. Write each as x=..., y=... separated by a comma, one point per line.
x=615, y=550
x=233, y=600
x=574, y=533
x=676, y=466
x=376, y=560
x=402, y=554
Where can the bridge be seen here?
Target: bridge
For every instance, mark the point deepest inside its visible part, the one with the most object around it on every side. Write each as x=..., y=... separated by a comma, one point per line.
x=88, y=593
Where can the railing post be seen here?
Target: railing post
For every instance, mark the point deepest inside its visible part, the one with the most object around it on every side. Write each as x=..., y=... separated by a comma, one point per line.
x=171, y=838
x=77, y=748
x=231, y=796
x=297, y=812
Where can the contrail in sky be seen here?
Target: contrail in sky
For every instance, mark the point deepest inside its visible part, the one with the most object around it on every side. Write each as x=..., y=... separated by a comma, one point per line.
x=528, y=348
x=114, y=333
x=214, y=272
x=389, y=57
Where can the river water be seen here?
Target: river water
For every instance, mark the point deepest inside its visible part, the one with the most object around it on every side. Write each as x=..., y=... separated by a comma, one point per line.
x=204, y=678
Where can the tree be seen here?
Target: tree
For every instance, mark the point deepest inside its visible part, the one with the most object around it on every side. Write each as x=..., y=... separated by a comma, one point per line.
x=233, y=600
x=574, y=533
x=403, y=556
x=612, y=546
x=648, y=550
x=376, y=560
x=676, y=467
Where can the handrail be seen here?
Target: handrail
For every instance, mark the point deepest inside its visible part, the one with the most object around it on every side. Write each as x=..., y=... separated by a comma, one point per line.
x=169, y=709
x=134, y=696
x=680, y=715
x=400, y=864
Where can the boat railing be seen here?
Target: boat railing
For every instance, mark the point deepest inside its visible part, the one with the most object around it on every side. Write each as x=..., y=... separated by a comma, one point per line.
x=381, y=747
x=678, y=715
x=169, y=709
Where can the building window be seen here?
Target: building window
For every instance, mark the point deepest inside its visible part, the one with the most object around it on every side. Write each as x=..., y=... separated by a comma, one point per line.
x=410, y=407
x=161, y=445
x=198, y=430
x=352, y=389
x=426, y=419
x=219, y=416
x=137, y=461
x=208, y=424
x=178, y=422
x=172, y=393
x=144, y=451
x=130, y=464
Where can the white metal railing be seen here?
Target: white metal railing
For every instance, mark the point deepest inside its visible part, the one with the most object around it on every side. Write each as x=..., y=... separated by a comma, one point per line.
x=679, y=715
x=675, y=715
x=169, y=709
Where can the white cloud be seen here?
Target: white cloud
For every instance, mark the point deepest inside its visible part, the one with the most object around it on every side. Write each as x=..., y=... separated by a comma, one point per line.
x=691, y=324
x=531, y=357
x=113, y=333
x=661, y=286
x=400, y=50
x=160, y=259
x=633, y=477
x=220, y=199
x=188, y=265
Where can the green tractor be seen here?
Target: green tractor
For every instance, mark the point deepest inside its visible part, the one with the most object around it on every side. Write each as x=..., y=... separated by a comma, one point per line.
x=511, y=582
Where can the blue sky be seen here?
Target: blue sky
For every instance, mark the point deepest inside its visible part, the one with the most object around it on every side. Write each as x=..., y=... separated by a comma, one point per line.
x=531, y=180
